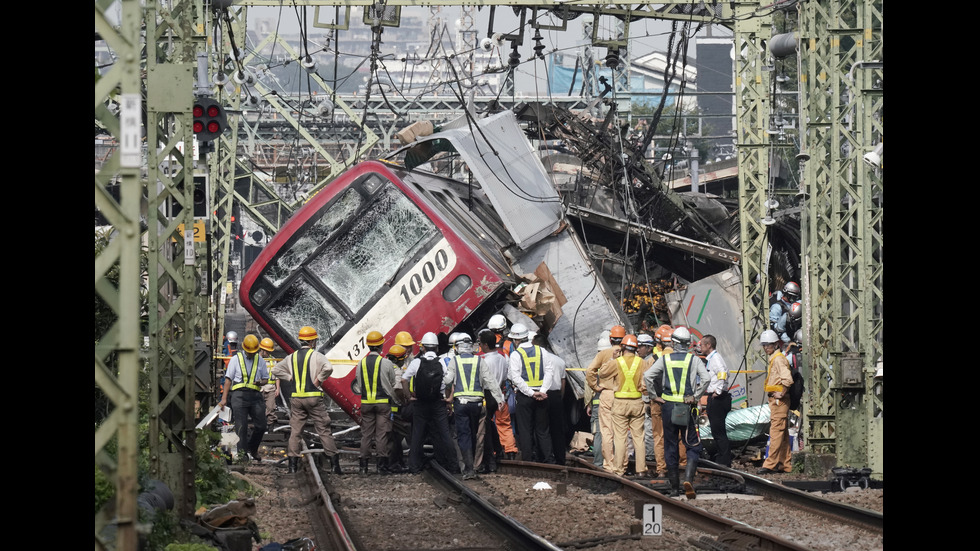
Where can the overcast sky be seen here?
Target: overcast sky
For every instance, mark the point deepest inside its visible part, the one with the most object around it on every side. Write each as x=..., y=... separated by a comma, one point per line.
x=646, y=35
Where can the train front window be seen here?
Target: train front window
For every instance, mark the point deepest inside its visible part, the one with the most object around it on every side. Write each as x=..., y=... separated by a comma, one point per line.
x=317, y=233
x=367, y=255
x=300, y=304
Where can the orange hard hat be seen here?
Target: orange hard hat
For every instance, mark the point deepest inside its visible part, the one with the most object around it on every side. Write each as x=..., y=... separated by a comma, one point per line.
x=404, y=338
x=663, y=333
x=617, y=332
x=397, y=351
x=375, y=338
x=629, y=340
x=267, y=345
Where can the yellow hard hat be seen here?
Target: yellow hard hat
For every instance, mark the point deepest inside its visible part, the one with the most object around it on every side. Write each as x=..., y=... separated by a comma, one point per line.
x=375, y=338
x=404, y=338
x=267, y=345
x=397, y=351
x=251, y=344
x=307, y=333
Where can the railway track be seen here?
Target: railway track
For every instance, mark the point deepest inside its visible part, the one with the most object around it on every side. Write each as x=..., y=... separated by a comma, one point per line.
x=501, y=511
x=437, y=510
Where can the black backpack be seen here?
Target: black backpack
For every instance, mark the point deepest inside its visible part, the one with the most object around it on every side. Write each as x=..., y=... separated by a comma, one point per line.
x=428, y=381
x=797, y=388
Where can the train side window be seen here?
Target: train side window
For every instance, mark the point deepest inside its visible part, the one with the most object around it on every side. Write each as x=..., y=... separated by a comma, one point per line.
x=454, y=290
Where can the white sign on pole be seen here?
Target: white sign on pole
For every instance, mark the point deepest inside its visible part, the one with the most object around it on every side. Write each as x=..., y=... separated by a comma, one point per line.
x=653, y=519
x=188, y=247
x=130, y=130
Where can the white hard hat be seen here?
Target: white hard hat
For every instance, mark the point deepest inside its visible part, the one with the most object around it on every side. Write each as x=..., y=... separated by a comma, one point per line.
x=603, y=343
x=531, y=334
x=768, y=337
x=430, y=339
x=644, y=339
x=232, y=336
x=681, y=335
x=518, y=331
x=497, y=321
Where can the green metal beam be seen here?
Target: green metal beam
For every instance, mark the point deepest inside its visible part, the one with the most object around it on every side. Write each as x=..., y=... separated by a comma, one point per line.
x=841, y=91
x=176, y=306
x=752, y=108
x=117, y=352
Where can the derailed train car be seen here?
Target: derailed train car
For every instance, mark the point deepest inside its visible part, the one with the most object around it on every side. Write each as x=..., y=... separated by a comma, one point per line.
x=434, y=238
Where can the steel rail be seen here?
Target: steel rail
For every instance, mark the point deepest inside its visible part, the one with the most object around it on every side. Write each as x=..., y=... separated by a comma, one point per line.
x=730, y=533
x=512, y=531
x=324, y=514
x=855, y=516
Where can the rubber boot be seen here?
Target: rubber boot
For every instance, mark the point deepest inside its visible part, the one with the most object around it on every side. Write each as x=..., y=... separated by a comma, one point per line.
x=383, y=465
x=674, y=477
x=364, y=466
x=293, y=464
x=468, y=465
x=335, y=463
x=692, y=469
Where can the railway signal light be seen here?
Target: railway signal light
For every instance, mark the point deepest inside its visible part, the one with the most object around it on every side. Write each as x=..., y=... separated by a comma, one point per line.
x=210, y=119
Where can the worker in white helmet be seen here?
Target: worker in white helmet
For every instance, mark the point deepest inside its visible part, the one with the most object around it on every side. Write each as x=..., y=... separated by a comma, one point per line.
x=530, y=369
x=778, y=380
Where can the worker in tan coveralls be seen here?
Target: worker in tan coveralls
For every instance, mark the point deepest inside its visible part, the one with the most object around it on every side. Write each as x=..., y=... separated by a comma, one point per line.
x=778, y=381
x=308, y=369
x=604, y=388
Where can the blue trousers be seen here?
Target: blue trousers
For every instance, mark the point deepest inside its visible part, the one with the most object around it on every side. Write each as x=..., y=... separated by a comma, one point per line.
x=673, y=435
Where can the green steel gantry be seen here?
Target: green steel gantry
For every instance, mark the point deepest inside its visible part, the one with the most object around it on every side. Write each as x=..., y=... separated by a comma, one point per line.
x=164, y=55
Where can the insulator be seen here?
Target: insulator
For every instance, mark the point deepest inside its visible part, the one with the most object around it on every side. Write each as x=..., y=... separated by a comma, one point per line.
x=612, y=58
x=515, y=57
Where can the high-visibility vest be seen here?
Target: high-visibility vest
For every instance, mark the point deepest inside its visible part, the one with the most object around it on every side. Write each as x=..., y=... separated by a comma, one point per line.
x=628, y=390
x=248, y=375
x=532, y=366
x=507, y=347
x=371, y=392
x=677, y=375
x=467, y=376
x=270, y=363
x=303, y=379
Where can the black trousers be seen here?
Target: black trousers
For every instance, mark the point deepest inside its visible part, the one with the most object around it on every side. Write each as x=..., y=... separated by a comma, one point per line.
x=431, y=419
x=718, y=408
x=556, y=424
x=493, y=452
x=532, y=419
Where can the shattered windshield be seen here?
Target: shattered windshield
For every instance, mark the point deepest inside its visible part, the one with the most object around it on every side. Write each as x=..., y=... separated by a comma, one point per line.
x=367, y=255
x=315, y=235
x=301, y=304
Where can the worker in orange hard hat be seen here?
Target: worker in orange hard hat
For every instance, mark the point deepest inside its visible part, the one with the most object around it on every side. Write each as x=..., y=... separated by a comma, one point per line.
x=374, y=380
x=308, y=369
x=401, y=421
x=271, y=390
x=603, y=388
x=628, y=409
x=246, y=374
x=405, y=340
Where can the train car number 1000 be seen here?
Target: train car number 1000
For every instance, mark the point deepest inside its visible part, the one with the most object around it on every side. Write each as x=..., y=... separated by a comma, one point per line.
x=424, y=275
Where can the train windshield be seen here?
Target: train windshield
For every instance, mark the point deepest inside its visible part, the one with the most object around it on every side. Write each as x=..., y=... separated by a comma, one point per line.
x=342, y=257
